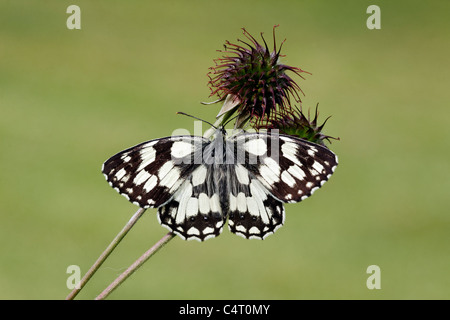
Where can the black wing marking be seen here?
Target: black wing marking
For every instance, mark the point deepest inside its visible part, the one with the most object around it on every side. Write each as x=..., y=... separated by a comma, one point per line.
x=150, y=173
x=253, y=211
x=291, y=169
x=196, y=210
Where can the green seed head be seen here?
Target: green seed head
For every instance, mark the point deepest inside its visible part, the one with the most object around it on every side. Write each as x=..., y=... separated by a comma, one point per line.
x=297, y=124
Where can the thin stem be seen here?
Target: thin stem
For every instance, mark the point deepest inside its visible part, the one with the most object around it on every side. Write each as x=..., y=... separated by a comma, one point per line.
x=139, y=262
x=106, y=253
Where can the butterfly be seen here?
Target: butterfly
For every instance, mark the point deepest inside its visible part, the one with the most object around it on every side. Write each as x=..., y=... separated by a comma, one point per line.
x=198, y=183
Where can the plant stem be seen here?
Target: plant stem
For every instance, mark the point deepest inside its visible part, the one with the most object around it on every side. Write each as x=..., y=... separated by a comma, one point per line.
x=139, y=262
x=106, y=253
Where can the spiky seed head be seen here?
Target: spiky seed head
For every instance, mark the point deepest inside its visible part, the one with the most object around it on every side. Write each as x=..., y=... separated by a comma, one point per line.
x=299, y=125
x=254, y=76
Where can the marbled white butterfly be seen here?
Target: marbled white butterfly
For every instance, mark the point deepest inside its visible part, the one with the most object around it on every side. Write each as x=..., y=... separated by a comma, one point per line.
x=198, y=183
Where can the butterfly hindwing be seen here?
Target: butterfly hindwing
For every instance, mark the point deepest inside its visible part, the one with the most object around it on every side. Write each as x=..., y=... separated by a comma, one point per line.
x=196, y=211
x=253, y=212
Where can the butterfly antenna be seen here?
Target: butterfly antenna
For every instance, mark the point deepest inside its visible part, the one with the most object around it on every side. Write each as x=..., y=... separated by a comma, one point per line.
x=231, y=120
x=185, y=114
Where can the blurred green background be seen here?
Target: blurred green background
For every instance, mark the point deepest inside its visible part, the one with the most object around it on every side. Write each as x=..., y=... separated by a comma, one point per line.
x=69, y=99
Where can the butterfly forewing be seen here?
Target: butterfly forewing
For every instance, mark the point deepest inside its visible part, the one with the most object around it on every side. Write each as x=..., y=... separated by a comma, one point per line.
x=291, y=169
x=150, y=173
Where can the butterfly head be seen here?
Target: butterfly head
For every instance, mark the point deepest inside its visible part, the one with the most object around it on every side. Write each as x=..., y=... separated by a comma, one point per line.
x=220, y=131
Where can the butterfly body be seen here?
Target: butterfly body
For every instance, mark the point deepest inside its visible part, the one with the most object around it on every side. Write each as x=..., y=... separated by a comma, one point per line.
x=198, y=184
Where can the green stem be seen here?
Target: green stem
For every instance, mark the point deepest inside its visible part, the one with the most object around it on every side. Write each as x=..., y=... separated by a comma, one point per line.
x=138, y=263
x=106, y=253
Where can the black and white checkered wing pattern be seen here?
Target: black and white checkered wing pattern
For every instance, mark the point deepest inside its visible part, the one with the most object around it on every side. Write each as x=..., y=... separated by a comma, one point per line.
x=271, y=169
x=253, y=211
x=289, y=168
x=197, y=210
x=150, y=173
x=197, y=184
